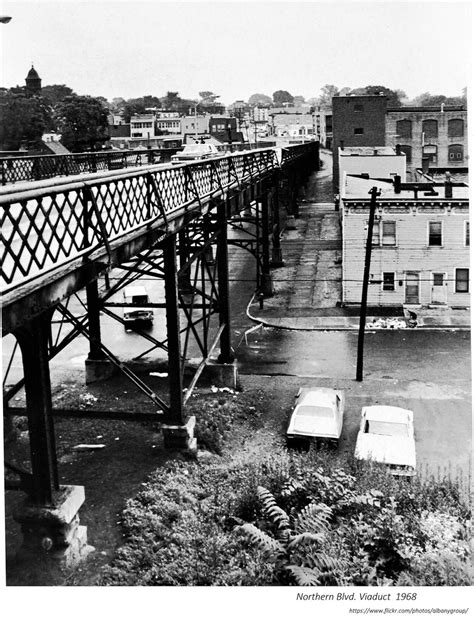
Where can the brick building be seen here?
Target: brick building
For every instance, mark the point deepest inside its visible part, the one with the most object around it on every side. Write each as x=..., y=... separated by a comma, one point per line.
x=433, y=138
x=357, y=121
x=420, y=246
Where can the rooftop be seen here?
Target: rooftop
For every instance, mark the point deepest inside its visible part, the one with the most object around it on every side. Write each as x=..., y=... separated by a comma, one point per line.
x=368, y=151
x=359, y=188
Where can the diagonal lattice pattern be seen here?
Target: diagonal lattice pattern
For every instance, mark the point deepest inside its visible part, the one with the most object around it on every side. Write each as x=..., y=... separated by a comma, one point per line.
x=43, y=228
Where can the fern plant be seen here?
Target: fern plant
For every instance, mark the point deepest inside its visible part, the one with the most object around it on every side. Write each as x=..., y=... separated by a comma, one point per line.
x=293, y=543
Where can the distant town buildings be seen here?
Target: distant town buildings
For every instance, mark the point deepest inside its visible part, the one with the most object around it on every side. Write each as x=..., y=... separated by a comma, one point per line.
x=434, y=139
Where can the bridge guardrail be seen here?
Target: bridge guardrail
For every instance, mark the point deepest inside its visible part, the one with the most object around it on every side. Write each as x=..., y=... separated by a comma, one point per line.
x=39, y=167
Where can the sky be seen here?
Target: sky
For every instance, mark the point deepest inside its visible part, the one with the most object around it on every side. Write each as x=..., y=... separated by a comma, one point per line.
x=130, y=49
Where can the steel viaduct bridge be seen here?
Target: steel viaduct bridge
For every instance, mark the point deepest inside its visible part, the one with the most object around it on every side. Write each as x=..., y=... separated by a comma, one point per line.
x=63, y=235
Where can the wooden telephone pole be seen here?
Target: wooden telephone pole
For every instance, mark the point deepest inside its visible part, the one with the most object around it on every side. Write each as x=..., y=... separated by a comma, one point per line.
x=365, y=285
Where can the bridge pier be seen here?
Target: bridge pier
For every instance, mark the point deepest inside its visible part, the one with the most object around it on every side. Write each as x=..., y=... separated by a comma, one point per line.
x=179, y=433
x=265, y=278
x=54, y=531
x=98, y=368
x=49, y=516
x=277, y=257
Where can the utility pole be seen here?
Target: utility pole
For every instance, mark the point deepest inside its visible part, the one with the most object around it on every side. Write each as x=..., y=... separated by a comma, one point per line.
x=365, y=285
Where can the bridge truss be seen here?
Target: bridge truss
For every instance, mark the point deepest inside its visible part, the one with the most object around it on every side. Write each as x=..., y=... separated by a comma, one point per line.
x=99, y=233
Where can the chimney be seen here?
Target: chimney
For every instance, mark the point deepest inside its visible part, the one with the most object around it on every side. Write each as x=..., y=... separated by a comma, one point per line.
x=397, y=183
x=398, y=150
x=442, y=107
x=376, y=152
x=448, y=186
x=342, y=144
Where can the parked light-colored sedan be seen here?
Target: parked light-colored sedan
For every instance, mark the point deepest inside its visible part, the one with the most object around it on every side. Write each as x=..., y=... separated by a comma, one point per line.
x=386, y=435
x=317, y=414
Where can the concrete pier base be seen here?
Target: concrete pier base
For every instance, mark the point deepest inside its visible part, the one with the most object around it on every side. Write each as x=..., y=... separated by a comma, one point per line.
x=54, y=532
x=222, y=375
x=277, y=258
x=99, y=370
x=180, y=437
x=290, y=223
x=266, y=284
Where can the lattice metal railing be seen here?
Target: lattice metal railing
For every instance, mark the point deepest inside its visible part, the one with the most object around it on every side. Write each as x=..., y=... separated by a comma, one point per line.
x=40, y=167
x=52, y=226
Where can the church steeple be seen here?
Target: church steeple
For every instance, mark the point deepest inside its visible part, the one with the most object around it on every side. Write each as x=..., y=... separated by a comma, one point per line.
x=33, y=82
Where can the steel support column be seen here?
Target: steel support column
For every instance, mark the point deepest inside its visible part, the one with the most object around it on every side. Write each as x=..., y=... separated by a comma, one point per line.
x=93, y=315
x=265, y=282
x=33, y=340
x=179, y=432
x=293, y=182
x=184, y=278
x=277, y=258
x=173, y=327
x=98, y=367
x=226, y=354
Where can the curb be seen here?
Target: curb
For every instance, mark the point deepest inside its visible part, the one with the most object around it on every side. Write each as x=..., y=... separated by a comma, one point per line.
x=266, y=323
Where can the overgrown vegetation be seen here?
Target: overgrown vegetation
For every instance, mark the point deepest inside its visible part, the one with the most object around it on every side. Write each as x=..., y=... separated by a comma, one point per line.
x=291, y=519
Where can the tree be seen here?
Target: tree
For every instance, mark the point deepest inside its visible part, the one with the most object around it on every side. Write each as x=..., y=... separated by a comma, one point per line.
x=53, y=94
x=171, y=100
x=117, y=105
x=208, y=97
x=151, y=102
x=281, y=97
x=133, y=106
x=298, y=101
x=436, y=100
x=22, y=120
x=327, y=94
x=394, y=97
x=82, y=122
x=259, y=99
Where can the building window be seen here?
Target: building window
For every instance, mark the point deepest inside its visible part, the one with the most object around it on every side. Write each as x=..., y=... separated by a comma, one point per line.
x=404, y=129
x=388, y=284
x=358, y=131
x=431, y=152
x=435, y=234
x=462, y=280
x=438, y=279
x=407, y=152
x=455, y=128
x=389, y=234
x=358, y=108
x=455, y=152
x=430, y=129
x=466, y=233
x=375, y=234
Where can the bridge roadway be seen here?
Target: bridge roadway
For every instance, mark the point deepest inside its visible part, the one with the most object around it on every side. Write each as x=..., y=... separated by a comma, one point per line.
x=57, y=236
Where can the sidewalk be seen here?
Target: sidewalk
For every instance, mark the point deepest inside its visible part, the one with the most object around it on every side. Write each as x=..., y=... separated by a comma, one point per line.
x=308, y=288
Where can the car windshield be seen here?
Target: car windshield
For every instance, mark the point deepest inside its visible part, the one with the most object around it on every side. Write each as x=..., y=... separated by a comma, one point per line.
x=377, y=427
x=198, y=148
x=313, y=411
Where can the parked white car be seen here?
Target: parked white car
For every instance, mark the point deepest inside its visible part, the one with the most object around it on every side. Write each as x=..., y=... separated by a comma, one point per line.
x=386, y=436
x=137, y=296
x=318, y=413
x=195, y=152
